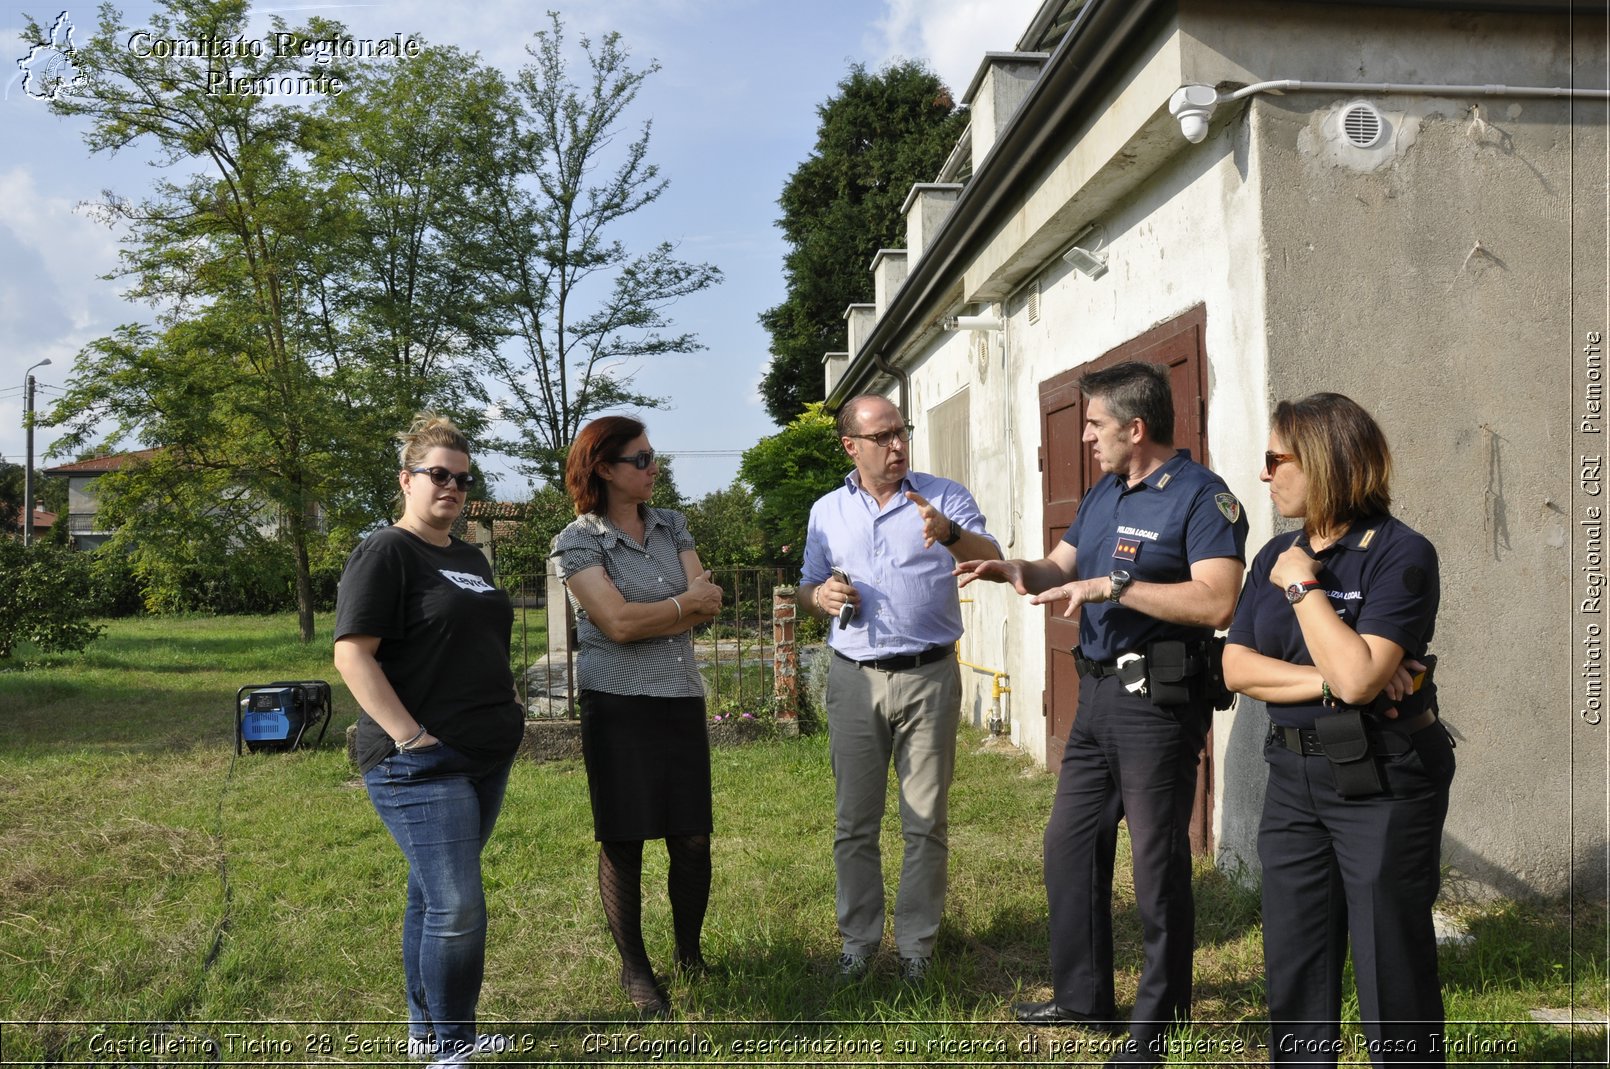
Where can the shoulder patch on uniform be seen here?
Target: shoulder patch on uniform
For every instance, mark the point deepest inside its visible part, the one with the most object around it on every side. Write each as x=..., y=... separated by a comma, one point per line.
x=1229, y=506
x=1414, y=579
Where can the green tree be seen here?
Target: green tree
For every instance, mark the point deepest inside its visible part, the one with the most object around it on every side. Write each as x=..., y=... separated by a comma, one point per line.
x=879, y=134
x=789, y=470
x=726, y=528
x=231, y=381
x=581, y=309
x=44, y=599
x=400, y=307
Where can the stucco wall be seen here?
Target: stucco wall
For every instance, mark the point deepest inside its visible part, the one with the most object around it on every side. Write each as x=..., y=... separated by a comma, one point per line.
x=1432, y=281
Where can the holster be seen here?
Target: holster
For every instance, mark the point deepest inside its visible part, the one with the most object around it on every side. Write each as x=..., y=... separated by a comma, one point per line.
x=1214, y=689
x=1347, y=747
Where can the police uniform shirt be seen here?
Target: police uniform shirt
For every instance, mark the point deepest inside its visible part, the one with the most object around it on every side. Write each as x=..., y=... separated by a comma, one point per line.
x=1381, y=578
x=1179, y=514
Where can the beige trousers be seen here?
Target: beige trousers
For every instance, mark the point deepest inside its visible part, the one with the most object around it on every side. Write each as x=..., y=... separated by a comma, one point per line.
x=912, y=716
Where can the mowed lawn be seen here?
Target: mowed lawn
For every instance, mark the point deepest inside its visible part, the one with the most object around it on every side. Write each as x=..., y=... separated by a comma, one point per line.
x=163, y=900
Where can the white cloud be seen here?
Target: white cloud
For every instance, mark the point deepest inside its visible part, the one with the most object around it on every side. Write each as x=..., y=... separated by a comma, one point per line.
x=952, y=35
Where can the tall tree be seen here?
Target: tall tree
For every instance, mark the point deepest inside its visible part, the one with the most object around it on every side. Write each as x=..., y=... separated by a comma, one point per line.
x=879, y=134
x=400, y=306
x=228, y=382
x=583, y=310
x=394, y=157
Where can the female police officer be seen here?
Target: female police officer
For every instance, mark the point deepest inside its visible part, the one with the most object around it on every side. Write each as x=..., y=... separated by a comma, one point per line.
x=1331, y=632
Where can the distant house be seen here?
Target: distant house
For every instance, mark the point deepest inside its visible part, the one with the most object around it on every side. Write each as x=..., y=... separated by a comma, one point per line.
x=486, y=523
x=43, y=521
x=84, y=527
x=1400, y=201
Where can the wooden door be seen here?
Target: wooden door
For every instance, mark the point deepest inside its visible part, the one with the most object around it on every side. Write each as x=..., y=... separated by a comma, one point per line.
x=1068, y=471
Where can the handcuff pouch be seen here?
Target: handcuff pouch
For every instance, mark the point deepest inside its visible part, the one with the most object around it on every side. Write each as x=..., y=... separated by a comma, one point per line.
x=1347, y=747
x=1170, y=669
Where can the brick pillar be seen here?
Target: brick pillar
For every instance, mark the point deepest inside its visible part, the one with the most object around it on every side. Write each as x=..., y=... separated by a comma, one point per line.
x=785, y=653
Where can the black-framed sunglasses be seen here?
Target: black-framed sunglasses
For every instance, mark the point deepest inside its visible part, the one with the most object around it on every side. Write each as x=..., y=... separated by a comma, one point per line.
x=884, y=439
x=639, y=460
x=1272, y=460
x=441, y=477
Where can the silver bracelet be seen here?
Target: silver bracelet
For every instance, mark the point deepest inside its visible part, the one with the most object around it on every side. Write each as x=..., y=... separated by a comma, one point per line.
x=678, y=605
x=404, y=747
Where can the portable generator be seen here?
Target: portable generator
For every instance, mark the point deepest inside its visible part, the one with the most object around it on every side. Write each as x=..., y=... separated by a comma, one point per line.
x=278, y=716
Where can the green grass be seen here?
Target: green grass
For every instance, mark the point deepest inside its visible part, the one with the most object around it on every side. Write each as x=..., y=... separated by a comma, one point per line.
x=148, y=875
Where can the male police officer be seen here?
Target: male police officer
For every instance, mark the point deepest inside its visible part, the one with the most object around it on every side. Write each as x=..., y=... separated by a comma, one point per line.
x=1155, y=556
x=885, y=545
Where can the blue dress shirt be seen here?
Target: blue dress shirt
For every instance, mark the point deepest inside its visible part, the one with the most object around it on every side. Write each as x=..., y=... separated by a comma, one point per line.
x=909, y=601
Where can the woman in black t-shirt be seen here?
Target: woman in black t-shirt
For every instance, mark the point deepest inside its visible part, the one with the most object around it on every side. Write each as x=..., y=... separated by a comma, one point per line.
x=422, y=641
x=634, y=574
x=1331, y=632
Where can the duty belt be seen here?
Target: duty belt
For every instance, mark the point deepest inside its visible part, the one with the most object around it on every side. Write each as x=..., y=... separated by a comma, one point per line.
x=1087, y=667
x=902, y=662
x=1388, y=741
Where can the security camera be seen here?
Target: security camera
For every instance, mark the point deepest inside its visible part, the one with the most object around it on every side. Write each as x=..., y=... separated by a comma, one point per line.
x=1193, y=106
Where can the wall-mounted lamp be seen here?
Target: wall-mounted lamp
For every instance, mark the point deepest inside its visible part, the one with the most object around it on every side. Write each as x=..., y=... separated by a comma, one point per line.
x=1193, y=106
x=1090, y=262
x=979, y=322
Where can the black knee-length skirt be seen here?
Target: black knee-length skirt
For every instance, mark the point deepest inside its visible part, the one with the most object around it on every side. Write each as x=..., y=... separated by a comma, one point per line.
x=648, y=765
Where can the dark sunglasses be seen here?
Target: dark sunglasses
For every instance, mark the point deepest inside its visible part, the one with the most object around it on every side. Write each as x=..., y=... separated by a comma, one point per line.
x=1271, y=461
x=639, y=460
x=441, y=477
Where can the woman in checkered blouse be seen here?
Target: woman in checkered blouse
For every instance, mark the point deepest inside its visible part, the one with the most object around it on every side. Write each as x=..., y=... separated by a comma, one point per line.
x=639, y=589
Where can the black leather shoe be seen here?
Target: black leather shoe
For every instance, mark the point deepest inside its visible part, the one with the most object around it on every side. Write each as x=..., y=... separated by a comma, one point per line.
x=1049, y=1013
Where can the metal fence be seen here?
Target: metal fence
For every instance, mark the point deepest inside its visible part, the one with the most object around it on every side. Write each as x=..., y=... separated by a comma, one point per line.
x=734, y=652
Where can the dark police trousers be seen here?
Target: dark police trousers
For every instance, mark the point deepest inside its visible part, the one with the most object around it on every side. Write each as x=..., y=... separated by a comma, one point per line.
x=1125, y=758
x=1369, y=867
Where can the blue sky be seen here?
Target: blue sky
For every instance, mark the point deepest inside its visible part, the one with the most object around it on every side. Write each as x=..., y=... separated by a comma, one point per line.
x=734, y=111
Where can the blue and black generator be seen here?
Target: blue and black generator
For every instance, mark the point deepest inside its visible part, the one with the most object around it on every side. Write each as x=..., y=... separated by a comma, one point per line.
x=278, y=716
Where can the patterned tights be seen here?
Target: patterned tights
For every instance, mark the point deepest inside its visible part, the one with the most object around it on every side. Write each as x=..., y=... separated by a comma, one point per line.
x=620, y=885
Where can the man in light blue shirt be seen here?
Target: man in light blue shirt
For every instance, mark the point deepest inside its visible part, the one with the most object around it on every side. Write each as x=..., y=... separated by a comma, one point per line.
x=886, y=544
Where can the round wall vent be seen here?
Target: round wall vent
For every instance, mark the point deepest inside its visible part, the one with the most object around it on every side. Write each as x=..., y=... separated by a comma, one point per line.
x=1363, y=125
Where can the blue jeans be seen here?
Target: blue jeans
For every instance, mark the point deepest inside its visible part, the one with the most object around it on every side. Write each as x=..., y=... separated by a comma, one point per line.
x=440, y=806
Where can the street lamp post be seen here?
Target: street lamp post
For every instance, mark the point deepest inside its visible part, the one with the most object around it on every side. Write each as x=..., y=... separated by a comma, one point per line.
x=28, y=462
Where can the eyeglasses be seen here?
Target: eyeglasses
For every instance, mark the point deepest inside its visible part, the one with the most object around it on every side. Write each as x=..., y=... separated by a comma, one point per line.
x=639, y=460
x=441, y=477
x=884, y=439
x=1271, y=461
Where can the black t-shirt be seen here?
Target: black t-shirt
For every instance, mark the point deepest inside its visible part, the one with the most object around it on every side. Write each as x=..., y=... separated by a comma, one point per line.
x=444, y=633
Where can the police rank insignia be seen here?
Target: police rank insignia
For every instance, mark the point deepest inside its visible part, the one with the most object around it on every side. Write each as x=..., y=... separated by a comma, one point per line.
x=1228, y=505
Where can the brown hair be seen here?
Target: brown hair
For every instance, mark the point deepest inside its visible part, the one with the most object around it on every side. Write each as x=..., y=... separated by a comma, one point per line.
x=599, y=442
x=1344, y=455
x=427, y=432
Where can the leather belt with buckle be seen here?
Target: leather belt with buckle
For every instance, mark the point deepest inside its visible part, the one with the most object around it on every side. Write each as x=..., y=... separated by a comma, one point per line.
x=903, y=662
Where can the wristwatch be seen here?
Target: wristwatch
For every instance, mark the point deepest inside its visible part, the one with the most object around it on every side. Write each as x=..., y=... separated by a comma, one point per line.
x=955, y=535
x=1297, y=591
x=1120, y=581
